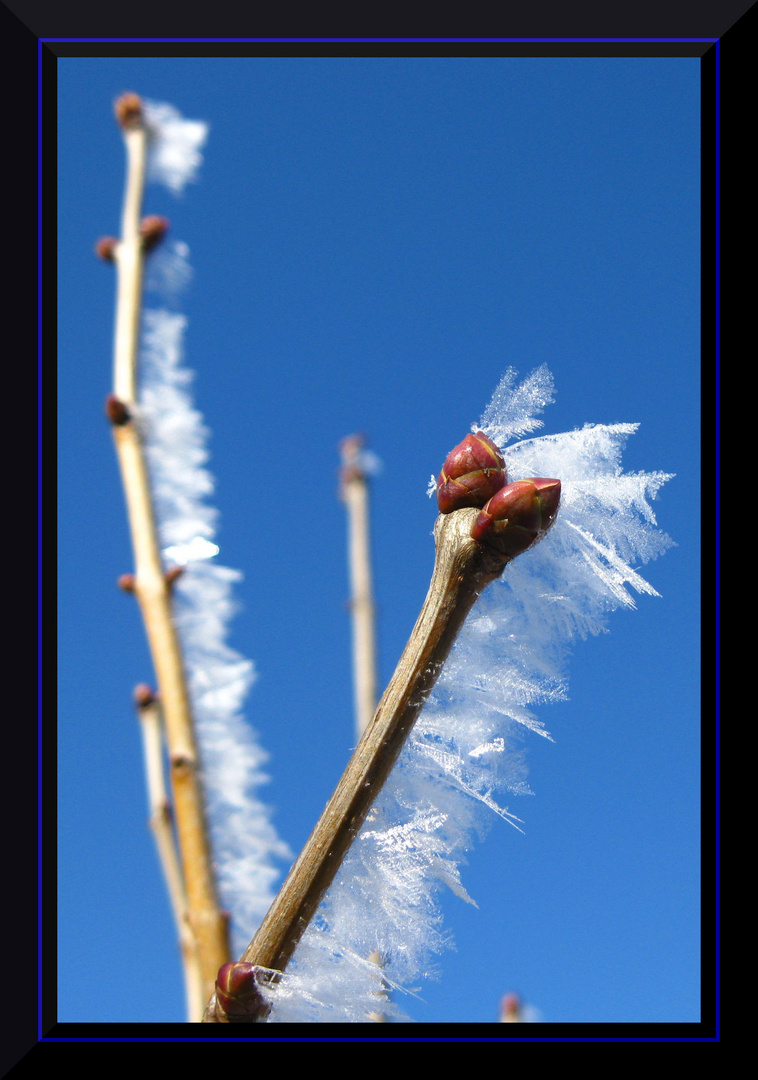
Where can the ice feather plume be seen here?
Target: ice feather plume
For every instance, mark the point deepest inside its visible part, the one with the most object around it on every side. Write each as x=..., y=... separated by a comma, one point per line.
x=247, y=851
x=465, y=752
x=175, y=146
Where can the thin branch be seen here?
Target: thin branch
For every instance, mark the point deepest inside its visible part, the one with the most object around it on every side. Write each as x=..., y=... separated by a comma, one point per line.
x=511, y=1011
x=462, y=569
x=161, y=824
x=379, y=1017
x=208, y=922
x=354, y=493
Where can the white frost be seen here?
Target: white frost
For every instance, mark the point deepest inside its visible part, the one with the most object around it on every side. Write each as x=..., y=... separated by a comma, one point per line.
x=465, y=752
x=174, y=158
x=247, y=850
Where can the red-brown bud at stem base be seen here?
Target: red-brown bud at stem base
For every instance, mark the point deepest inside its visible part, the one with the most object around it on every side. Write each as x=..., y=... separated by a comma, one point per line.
x=237, y=992
x=471, y=475
x=350, y=448
x=152, y=230
x=116, y=411
x=105, y=248
x=518, y=515
x=128, y=111
x=510, y=1009
x=144, y=695
x=173, y=573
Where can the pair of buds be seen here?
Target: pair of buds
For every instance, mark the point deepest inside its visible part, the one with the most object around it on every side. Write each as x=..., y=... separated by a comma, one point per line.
x=513, y=517
x=152, y=230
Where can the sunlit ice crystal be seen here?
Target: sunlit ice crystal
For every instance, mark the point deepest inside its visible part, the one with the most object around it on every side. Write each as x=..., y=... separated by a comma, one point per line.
x=247, y=851
x=465, y=756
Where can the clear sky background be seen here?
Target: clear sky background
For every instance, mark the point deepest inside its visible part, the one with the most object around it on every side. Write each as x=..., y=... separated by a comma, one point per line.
x=374, y=241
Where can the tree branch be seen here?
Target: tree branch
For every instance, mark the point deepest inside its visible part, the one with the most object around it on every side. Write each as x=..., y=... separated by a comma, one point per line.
x=152, y=590
x=462, y=569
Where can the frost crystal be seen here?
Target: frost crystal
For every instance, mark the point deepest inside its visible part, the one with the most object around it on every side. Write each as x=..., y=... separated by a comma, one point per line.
x=464, y=753
x=246, y=848
x=175, y=157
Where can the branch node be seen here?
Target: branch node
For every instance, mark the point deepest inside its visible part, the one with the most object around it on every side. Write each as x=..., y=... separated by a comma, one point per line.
x=173, y=573
x=152, y=230
x=144, y=695
x=117, y=411
x=129, y=111
x=238, y=997
x=105, y=248
x=182, y=764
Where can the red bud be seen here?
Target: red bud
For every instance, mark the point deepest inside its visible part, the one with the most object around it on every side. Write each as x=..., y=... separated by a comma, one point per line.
x=128, y=111
x=471, y=475
x=350, y=448
x=105, y=248
x=510, y=1009
x=518, y=515
x=116, y=411
x=237, y=992
x=173, y=573
x=126, y=582
x=144, y=695
x=152, y=230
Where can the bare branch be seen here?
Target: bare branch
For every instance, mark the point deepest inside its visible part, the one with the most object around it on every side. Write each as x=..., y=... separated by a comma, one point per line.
x=462, y=569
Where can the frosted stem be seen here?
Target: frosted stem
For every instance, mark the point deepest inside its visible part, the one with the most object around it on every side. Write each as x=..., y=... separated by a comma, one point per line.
x=208, y=923
x=462, y=569
x=130, y=262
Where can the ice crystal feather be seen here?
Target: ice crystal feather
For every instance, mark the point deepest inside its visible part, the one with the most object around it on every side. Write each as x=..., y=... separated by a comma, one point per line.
x=247, y=850
x=176, y=142
x=246, y=847
x=465, y=753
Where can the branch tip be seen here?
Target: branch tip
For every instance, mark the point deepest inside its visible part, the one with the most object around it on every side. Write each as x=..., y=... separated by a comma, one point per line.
x=518, y=515
x=471, y=474
x=352, y=468
x=510, y=1009
x=129, y=111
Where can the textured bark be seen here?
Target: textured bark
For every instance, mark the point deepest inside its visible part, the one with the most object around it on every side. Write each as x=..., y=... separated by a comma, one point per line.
x=462, y=569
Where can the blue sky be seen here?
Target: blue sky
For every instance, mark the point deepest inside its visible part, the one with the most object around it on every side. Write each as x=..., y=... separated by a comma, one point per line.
x=374, y=241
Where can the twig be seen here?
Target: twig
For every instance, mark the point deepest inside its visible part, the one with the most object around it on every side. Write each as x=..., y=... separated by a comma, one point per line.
x=510, y=1009
x=207, y=921
x=378, y=1017
x=462, y=569
x=148, y=711
x=354, y=493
